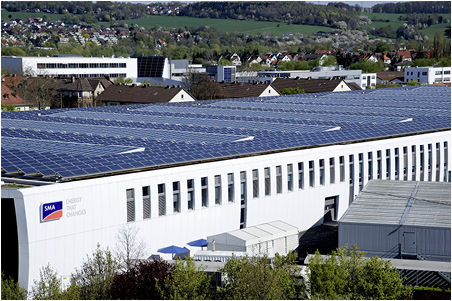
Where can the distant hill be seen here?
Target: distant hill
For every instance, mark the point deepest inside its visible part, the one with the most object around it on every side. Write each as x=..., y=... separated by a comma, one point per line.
x=414, y=7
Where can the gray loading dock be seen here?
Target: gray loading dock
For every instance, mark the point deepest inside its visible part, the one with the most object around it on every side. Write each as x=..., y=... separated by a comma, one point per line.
x=400, y=219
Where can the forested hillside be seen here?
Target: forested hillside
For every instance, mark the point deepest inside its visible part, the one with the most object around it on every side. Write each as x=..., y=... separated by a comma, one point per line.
x=295, y=12
x=414, y=7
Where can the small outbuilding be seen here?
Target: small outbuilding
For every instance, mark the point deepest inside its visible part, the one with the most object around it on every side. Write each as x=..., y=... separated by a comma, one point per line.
x=265, y=239
x=400, y=219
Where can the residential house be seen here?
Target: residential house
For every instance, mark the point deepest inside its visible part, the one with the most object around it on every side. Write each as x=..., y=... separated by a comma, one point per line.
x=145, y=94
x=371, y=58
x=404, y=56
x=11, y=99
x=76, y=92
x=240, y=90
x=389, y=77
x=312, y=85
x=235, y=59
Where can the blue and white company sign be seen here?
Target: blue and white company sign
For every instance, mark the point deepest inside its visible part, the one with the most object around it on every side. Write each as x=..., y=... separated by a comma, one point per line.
x=51, y=211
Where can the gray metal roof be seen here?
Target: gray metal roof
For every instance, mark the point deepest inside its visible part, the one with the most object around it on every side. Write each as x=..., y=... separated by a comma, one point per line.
x=402, y=203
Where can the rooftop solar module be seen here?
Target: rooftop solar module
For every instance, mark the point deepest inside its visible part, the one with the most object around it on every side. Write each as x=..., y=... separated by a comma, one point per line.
x=69, y=143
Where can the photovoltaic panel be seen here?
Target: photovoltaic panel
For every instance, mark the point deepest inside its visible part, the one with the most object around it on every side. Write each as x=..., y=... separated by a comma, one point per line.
x=69, y=143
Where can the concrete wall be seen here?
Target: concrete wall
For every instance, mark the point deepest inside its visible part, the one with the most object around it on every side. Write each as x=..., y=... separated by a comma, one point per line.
x=94, y=210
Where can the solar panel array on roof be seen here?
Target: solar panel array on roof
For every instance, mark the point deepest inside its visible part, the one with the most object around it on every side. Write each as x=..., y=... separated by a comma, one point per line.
x=70, y=143
x=150, y=66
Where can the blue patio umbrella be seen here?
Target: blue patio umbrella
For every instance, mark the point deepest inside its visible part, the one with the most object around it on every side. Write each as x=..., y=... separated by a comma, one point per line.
x=198, y=243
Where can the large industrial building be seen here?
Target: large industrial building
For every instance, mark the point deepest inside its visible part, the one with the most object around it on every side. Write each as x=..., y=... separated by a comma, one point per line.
x=71, y=66
x=185, y=171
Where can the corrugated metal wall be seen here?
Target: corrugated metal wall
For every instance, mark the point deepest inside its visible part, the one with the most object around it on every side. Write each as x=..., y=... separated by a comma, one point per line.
x=389, y=240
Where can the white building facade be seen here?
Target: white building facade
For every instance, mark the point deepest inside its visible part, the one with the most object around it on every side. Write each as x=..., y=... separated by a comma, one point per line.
x=72, y=66
x=172, y=206
x=428, y=75
x=368, y=80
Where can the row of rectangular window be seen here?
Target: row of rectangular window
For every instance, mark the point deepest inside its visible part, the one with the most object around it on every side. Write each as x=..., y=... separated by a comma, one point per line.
x=279, y=182
x=90, y=75
x=80, y=65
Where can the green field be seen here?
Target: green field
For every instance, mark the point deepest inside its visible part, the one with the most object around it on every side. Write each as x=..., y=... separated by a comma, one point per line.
x=25, y=15
x=241, y=26
x=225, y=25
x=396, y=23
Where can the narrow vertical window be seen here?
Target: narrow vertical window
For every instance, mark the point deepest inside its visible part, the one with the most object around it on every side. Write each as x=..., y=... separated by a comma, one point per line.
x=332, y=171
x=146, y=202
x=405, y=163
x=311, y=174
x=278, y=179
x=429, y=166
x=413, y=162
x=255, y=183
x=370, y=169
x=130, y=193
x=360, y=171
x=242, y=187
x=421, y=157
x=176, y=196
x=438, y=161
x=204, y=192
x=322, y=171
x=300, y=175
x=218, y=190
x=445, y=162
x=351, y=166
x=396, y=163
x=289, y=177
x=351, y=169
x=162, y=199
x=379, y=171
x=190, y=193
x=242, y=199
x=267, y=180
x=388, y=164
x=342, y=168
x=230, y=187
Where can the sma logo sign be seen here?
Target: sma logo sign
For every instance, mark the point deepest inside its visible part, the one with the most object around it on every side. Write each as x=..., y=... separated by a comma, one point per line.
x=51, y=211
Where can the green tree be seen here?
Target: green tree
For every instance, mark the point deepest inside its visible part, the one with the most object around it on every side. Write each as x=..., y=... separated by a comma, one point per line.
x=330, y=60
x=368, y=66
x=255, y=278
x=412, y=83
x=186, y=282
x=48, y=287
x=95, y=276
x=289, y=91
x=122, y=80
x=11, y=289
x=225, y=62
x=13, y=51
x=347, y=274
